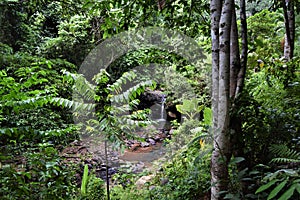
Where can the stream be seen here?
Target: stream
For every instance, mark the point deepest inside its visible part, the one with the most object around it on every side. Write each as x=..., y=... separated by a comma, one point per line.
x=140, y=155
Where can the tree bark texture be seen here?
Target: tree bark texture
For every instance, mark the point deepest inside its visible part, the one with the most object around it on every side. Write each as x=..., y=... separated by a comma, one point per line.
x=220, y=93
x=235, y=63
x=228, y=72
x=215, y=10
x=289, y=21
x=244, y=49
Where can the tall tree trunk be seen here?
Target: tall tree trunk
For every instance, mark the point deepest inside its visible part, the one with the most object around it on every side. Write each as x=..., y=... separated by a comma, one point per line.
x=215, y=7
x=289, y=21
x=244, y=49
x=215, y=10
x=235, y=62
x=220, y=104
x=228, y=72
x=237, y=76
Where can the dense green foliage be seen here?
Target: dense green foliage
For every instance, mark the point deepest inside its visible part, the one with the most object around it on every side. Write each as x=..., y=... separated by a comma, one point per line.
x=42, y=45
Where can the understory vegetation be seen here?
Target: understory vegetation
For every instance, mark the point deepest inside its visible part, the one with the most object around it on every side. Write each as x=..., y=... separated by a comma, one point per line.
x=46, y=105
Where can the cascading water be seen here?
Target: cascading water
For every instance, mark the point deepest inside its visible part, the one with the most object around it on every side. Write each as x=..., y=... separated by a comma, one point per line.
x=161, y=117
x=157, y=150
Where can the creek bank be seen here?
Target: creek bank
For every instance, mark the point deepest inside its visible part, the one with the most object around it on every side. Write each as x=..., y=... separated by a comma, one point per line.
x=138, y=155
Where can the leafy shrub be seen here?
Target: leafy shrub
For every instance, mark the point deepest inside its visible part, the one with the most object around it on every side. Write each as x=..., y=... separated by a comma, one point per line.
x=27, y=84
x=31, y=127
x=269, y=113
x=42, y=175
x=186, y=172
x=285, y=183
x=95, y=188
x=121, y=193
x=286, y=179
x=73, y=41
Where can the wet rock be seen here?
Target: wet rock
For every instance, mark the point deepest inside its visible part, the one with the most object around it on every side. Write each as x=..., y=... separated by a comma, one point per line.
x=101, y=172
x=140, y=183
x=139, y=167
x=112, y=171
x=152, y=187
x=129, y=143
x=76, y=143
x=151, y=141
x=157, y=138
x=145, y=144
x=149, y=98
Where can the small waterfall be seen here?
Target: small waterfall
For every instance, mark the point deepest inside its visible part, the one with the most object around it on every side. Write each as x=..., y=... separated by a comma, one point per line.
x=162, y=108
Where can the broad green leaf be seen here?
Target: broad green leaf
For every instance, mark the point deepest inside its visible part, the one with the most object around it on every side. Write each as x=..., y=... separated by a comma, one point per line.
x=237, y=160
x=180, y=109
x=288, y=193
x=266, y=186
x=207, y=116
x=290, y=172
x=84, y=180
x=277, y=189
x=297, y=187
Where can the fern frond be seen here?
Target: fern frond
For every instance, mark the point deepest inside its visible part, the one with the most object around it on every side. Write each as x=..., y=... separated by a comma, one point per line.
x=28, y=103
x=117, y=85
x=28, y=129
x=285, y=160
x=284, y=154
x=76, y=106
x=82, y=88
x=132, y=92
x=126, y=120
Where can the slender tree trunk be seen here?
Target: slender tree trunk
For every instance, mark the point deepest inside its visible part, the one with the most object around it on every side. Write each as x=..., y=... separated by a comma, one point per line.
x=228, y=72
x=215, y=9
x=220, y=104
x=244, y=49
x=289, y=21
x=237, y=76
x=235, y=62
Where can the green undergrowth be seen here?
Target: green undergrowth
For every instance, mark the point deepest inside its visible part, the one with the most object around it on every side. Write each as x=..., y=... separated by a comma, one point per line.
x=184, y=172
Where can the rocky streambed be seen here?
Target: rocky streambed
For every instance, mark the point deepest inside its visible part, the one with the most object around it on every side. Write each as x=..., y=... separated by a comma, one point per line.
x=137, y=156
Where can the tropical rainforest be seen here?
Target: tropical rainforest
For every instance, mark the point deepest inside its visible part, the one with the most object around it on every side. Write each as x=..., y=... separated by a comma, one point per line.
x=152, y=99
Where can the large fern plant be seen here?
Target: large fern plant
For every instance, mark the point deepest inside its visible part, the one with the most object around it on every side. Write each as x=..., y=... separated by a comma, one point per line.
x=284, y=154
x=108, y=110
x=286, y=180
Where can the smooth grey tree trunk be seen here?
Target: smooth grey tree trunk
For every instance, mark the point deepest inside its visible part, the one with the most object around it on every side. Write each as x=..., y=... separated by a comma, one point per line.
x=228, y=72
x=215, y=9
x=220, y=90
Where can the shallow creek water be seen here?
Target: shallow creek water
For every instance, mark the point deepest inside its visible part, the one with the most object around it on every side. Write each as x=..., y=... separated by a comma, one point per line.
x=147, y=154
